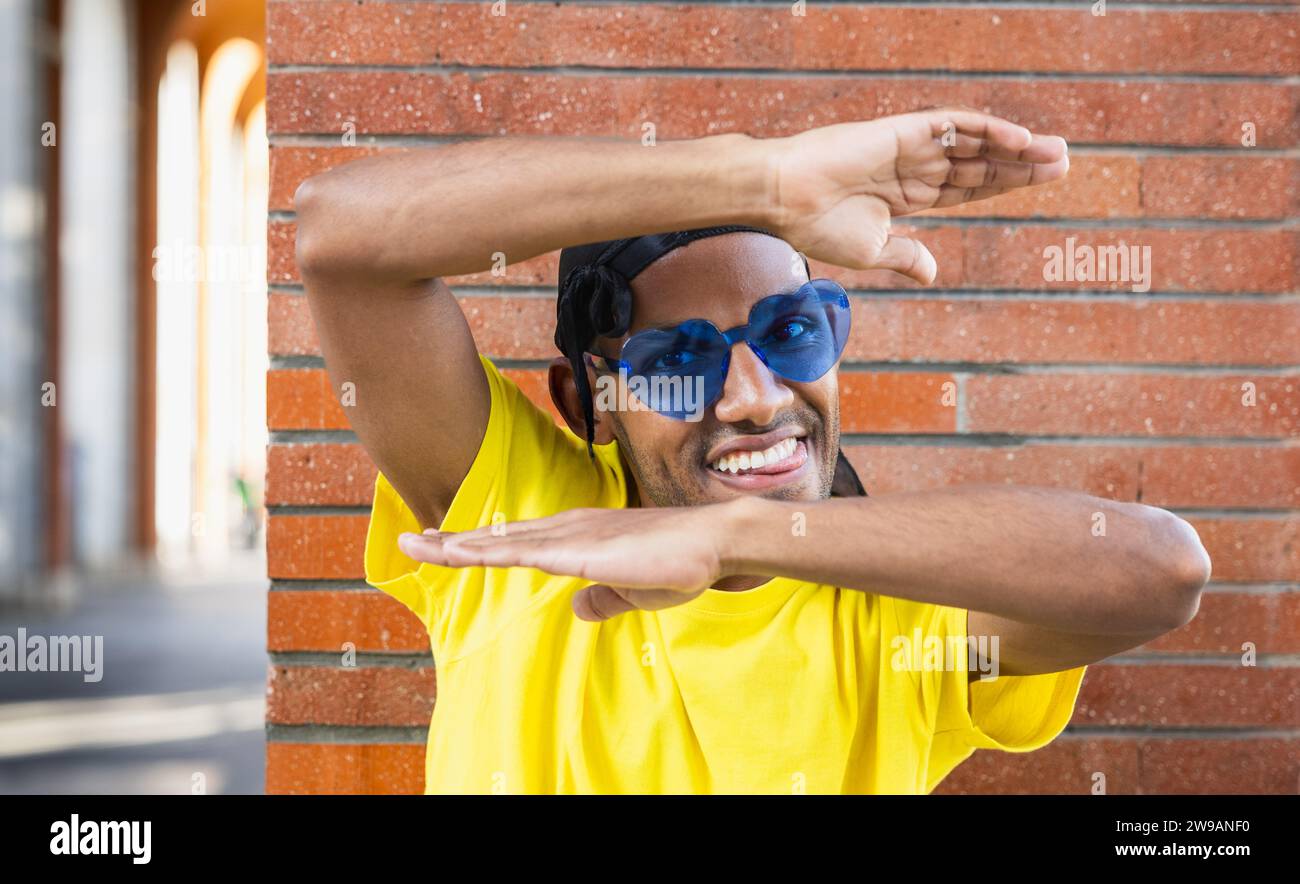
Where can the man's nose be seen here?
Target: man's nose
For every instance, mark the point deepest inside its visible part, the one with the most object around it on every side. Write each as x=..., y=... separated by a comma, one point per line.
x=751, y=392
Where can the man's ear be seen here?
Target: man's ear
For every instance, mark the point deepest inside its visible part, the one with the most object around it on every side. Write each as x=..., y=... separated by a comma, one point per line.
x=564, y=393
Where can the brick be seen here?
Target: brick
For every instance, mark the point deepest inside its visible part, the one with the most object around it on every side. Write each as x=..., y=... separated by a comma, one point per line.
x=1251, y=549
x=1000, y=330
x=302, y=399
x=1178, y=260
x=362, y=696
x=290, y=329
x=316, y=547
x=1098, y=186
x=339, y=474
x=1227, y=620
x=517, y=328
x=1187, y=695
x=1221, y=476
x=1169, y=476
x=344, y=768
x=1063, y=767
x=1188, y=765
x=324, y=620
x=503, y=326
x=897, y=402
x=280, y=267
x=838, y=38
x=1132, y=404
x=1177, y=113
x=1189, y=186
x=1221, y=767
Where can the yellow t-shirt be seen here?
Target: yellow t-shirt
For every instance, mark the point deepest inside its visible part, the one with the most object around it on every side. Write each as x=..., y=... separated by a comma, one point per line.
x=790, y=687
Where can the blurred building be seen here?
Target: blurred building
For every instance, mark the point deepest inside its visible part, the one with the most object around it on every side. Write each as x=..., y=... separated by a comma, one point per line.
x=132, y=285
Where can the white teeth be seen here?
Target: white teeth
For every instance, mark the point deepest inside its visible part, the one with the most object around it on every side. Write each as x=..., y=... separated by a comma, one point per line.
x=752, y=460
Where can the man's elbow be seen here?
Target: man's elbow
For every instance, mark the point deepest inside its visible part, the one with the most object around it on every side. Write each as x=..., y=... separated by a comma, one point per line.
x=1187, y=570
x=311, y=249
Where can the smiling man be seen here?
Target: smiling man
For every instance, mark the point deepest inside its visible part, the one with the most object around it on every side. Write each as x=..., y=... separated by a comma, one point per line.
x=686, y=588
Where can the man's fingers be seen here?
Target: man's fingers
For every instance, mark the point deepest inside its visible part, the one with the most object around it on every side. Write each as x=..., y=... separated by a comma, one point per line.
x=909, y=257
x=967, y=133
x=1042, y=149
x=1003, y=174
x=490, y=552
x=431, y=548
x=951, y=195
x=1001, y=135
x=600, y=602
x=500, y=528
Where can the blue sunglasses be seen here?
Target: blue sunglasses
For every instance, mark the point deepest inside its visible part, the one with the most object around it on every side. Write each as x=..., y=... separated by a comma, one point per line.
x=799, y=336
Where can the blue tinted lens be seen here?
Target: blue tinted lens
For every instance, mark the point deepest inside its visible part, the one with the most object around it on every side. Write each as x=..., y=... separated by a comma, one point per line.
x=801, y=335
x=677, y=372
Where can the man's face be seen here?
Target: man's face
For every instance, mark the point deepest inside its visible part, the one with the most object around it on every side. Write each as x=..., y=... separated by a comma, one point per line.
x=795, y=425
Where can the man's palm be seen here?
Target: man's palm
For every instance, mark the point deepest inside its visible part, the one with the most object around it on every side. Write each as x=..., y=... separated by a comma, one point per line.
x=649, y=558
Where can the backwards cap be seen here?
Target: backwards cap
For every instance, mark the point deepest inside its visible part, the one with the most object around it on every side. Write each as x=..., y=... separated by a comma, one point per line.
x=595, y=300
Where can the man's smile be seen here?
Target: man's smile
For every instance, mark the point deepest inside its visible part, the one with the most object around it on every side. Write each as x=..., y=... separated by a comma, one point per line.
x=757, y=463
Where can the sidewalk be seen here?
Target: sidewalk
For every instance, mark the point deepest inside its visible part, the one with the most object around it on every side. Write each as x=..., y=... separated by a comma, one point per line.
x=180, y=692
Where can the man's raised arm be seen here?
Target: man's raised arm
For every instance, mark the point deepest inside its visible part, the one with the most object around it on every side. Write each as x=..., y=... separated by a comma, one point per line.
x=376, y=236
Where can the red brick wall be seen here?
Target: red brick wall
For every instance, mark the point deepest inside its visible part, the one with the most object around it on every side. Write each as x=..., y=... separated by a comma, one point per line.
x=1133, y=396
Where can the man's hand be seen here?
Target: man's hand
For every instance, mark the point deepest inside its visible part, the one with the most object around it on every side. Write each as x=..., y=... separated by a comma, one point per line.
x=646, y=558
x=835, y=188
x=1024, y=560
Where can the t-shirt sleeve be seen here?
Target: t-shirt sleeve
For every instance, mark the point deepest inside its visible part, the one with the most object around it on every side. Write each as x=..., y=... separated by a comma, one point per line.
x=1013, y=713
x=527, y=467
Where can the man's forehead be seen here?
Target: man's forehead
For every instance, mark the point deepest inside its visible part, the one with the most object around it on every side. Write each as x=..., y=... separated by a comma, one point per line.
x=722, y=303
x=718, y=279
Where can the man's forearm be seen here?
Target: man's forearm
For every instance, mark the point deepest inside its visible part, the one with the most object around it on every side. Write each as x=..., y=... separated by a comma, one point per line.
x=1058, y=559
x=448, y=211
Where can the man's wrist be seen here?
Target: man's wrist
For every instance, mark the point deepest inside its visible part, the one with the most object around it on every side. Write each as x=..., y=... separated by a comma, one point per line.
x=750, y=168
x=747, y=528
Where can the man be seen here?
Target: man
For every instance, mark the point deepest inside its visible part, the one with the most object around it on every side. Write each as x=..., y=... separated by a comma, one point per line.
x=686, y=590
